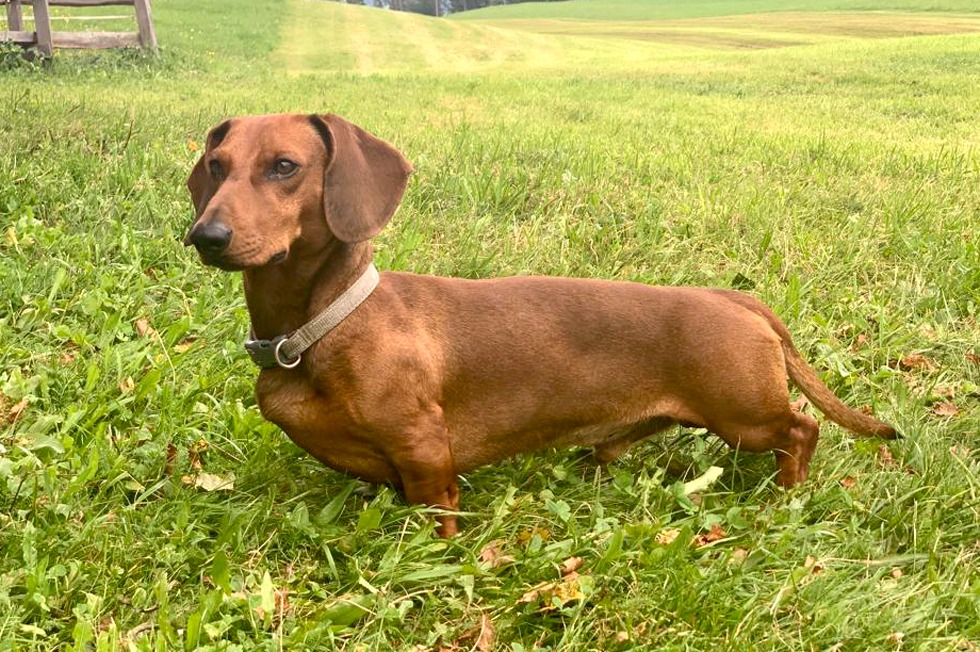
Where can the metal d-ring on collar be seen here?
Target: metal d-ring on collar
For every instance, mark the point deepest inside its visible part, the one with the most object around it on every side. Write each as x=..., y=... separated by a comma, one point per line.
x=286, y=351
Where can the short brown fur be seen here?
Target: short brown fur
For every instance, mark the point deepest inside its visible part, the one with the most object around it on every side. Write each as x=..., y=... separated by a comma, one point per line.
x=432, y=377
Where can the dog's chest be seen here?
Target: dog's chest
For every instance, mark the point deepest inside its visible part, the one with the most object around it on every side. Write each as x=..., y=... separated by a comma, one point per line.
x=321, y=426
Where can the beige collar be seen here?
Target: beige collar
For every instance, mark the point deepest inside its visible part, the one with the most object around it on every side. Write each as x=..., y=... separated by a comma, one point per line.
x=286, y=351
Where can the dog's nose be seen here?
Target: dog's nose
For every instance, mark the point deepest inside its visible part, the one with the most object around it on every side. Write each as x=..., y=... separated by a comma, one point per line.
x=210, y=237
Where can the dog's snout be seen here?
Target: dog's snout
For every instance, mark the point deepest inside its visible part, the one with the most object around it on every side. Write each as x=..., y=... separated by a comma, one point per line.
x=210, y=237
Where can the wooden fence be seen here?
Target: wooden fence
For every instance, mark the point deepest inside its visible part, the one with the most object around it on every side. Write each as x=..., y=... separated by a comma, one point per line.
x=45, y=40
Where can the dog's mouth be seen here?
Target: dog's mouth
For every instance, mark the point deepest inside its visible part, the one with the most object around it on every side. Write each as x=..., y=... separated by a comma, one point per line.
x=222, y=263
x=229, y=265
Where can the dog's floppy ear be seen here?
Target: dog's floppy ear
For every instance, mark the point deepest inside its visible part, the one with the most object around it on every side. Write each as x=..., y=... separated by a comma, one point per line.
x=200, y=183
x=364, y=180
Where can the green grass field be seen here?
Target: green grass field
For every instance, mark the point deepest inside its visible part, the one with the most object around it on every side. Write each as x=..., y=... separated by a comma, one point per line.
x=825, y=159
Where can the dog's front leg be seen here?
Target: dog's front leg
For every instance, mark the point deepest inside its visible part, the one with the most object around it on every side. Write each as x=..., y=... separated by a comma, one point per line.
x=434, y=487
x=423, y=458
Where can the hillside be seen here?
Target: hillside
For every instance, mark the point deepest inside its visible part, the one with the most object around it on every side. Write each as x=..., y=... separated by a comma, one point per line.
x=579, y=34
x=673, y=10
x=329, y=36
x=733, y=23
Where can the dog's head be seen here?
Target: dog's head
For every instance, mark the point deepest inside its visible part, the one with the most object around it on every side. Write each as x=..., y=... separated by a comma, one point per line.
x=267, y=185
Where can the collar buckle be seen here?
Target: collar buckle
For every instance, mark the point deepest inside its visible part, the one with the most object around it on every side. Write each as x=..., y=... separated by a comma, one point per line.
x=267, y=354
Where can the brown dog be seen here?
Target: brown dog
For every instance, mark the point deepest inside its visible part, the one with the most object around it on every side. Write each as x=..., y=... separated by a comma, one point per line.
x=430, y=377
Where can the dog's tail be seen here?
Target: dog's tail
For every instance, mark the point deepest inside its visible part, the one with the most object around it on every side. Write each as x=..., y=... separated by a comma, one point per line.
x=804, y=377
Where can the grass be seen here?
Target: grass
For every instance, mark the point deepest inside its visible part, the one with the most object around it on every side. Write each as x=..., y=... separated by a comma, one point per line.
x=838, y=181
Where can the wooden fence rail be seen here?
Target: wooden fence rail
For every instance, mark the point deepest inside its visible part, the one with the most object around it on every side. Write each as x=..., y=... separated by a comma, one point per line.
x=46, y=40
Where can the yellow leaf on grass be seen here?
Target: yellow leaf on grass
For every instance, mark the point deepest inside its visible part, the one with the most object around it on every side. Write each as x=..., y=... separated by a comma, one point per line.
x=704, y=481
x=667, y=536
x=184, y=345
x=211, y=481
x=555, y=594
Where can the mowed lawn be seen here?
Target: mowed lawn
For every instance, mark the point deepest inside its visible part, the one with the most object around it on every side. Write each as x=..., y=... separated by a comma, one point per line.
x=824, y=157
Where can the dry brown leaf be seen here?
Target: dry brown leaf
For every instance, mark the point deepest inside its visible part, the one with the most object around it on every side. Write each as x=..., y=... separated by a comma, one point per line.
x=739, y=554
x=896, y=638
x=492, y=555
x=571, y=565
x=168, y=466
x=945, y=409
x=18, y=408
x=143, y=327
x=536, y=591
x=716, y=533
x=126, y=385
x=973, y=357
x=133, y=633
x=184, y=345
x=915, y=362
x=194, y=453
x=482, y=635
x=885, y=457
x=860, y=341
x=848, y=481
x=945, y=391
x=69, y=354
x=960, y=451
x=281, y=597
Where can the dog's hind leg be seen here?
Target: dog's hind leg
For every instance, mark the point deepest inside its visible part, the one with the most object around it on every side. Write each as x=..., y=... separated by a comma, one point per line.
x=794, y=454
x=792, y=439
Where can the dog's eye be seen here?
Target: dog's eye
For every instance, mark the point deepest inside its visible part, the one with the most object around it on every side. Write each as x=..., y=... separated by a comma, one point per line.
x=283, y=168
x=217, y=172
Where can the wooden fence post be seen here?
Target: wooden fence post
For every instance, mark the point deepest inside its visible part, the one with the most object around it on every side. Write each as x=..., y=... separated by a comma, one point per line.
x=15, y=16
x=42, y=27
x=144, y=20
